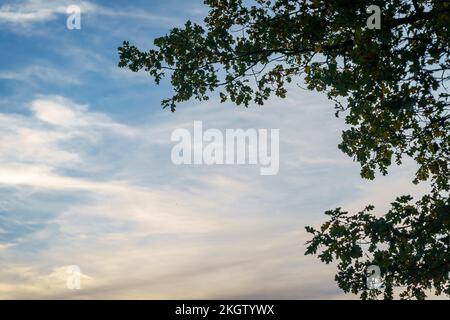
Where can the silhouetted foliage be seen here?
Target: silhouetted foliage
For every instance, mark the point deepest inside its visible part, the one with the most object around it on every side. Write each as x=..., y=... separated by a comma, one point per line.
x=389, y=83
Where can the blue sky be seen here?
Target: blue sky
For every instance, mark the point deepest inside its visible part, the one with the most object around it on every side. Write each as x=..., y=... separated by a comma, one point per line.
x=86, y=177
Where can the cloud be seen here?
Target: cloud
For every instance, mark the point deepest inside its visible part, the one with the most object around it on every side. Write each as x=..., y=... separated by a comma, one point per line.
x=62, y=112
x=29, y=282
x=4, y=246
x=43, y=139
x=264, y=266
x=173, y=233
x=36, y=73
x=85, y=189
x=31, y=11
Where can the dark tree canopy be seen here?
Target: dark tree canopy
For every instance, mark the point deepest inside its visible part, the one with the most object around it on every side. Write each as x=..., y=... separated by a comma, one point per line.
x=388, y=83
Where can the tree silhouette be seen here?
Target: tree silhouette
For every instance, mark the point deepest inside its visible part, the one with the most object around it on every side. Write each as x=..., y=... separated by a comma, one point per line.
x=388, y=83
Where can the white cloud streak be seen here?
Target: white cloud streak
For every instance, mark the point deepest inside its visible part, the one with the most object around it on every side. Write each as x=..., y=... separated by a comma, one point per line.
x=31, y=11
x=37, y=73
x=34, y=11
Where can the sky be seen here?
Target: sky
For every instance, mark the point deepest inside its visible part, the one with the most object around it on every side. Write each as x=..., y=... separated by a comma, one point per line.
x=86, y=176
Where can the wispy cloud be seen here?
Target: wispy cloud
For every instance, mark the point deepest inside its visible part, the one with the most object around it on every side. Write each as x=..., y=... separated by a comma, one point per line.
x=113, y=202
x=62, y=112
x=173, y=232
x=43, y=139
x=37, y=73
x=32, y=11
x=4, y=246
